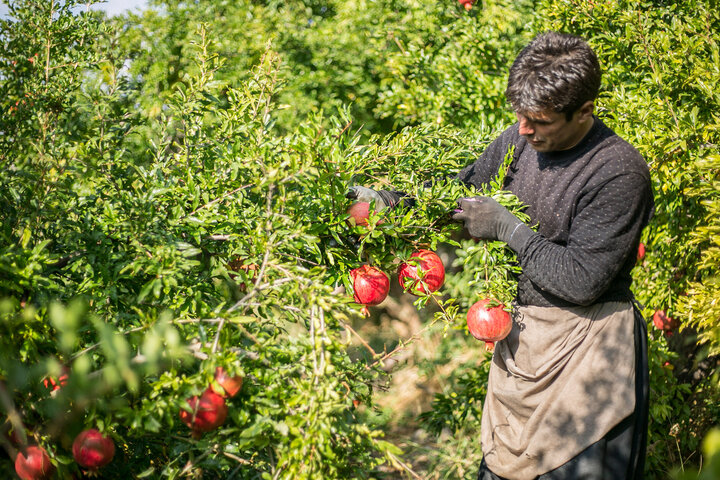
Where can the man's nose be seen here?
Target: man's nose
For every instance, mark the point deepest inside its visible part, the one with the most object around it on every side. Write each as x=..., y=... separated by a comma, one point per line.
x=526, y=127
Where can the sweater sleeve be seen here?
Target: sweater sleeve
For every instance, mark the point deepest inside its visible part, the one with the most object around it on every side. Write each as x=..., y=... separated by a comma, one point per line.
x=486, y=167
x=602, y=238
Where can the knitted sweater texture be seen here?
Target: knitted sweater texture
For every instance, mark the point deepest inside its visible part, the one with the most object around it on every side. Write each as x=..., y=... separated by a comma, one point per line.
x=589, y=204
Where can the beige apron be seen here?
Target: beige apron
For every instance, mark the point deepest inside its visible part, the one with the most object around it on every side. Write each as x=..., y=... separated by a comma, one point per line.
x=558, y=383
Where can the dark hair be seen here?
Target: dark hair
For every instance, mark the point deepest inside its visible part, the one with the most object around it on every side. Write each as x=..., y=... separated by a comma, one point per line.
x=555, y=71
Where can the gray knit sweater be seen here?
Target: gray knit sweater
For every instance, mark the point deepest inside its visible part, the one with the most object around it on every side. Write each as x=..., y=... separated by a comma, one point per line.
x=589, y=203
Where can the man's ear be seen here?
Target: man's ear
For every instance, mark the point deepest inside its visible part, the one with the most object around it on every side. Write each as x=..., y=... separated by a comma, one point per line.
x=585, y=112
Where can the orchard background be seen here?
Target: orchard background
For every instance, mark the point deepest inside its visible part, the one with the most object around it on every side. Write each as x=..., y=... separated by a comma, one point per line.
x=172, y=200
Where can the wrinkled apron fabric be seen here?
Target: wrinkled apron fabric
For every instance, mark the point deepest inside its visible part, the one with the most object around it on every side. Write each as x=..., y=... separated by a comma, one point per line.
x=561, y=380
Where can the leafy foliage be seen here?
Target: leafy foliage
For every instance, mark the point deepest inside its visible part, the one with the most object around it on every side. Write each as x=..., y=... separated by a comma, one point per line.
x=173, y=201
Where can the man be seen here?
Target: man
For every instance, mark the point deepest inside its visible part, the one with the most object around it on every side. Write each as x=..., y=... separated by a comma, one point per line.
x=567, y=392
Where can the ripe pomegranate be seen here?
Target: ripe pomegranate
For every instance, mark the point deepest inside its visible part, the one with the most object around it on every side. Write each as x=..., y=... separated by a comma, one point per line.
x=488, y=323
x=230, y=385
x=641, y=252
x=93, y=450
x=34, y=464
x=206, y=413
x=359, y=213
x=371, y=285
x=663, y=322
x=467, y=3
x=429, y=267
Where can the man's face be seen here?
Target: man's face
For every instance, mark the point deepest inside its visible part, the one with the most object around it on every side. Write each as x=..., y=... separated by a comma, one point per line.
x=550, y=131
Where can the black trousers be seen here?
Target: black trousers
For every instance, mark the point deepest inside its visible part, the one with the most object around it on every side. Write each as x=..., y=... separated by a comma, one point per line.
x=619, y=455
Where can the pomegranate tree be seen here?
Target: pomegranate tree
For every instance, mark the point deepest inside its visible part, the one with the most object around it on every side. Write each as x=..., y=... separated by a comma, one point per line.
x=230, y=385
x=34, y=464
x=370, y=285
x=424, y=274
x=93, y=450
x=488, y=321
x=206, y=413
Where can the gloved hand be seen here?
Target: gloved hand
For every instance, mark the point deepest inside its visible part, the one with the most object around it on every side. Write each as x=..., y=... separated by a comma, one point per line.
x=486, y=219
x=359, y=193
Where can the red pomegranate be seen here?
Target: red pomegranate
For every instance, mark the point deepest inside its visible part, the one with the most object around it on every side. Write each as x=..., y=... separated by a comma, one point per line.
x=371, y=285
x=488, y=323
x=34, y=464
x=93, y=450
x=664, y=322
x=206, y=413
x=230, y=385
x=428, y=266
x=641, y=252
x=359, y=213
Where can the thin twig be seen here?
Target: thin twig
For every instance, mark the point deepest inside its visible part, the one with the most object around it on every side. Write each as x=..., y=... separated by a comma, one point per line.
x=404, y=344
x=404, y=466
x=96, y=345
x=237, y=459
x=219, y=199
x=416, y=336
x=362, y=340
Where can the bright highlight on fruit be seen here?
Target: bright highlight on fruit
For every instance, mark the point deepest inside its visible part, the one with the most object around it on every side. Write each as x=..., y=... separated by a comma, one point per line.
x=206, y=413
x=467, y=4
x=93, y=450
x=34, y=464
x=370, y=286
x=423, y=276
x=488, y=323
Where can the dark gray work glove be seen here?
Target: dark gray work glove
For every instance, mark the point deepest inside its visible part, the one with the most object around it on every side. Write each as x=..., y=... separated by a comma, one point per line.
x=365, y=194
x=486, y=219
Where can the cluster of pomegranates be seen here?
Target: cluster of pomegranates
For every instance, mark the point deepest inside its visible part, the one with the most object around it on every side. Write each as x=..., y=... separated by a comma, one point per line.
x=422, y=275
x=208, y=411
x=91, y=450
x=487, y=321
